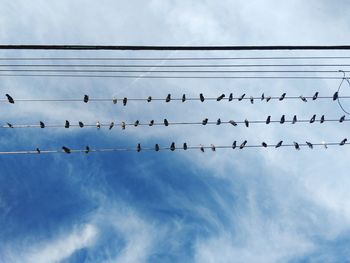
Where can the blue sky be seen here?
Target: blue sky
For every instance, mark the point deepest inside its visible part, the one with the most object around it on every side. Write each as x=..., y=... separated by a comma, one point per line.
x=228, y=206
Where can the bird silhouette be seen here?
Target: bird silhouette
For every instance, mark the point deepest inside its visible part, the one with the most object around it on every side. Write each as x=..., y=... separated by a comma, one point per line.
x=185, y=146
x=42, y=125
x=322, y=119
x=172, y=147
x=264, y=144
x=205, y=121
x=220, y=97
x=283, y=119
x=294, y=119
x=279, y=144
x=38, y=150
x=149, y=99
x=66, y=149
x=9, y=125
x=168, y=98
x=183, y=98
x=123, y=125
x=243, y=144
x=342, y=118
x=111, y=125
x=241, y=97
x=251, y=100
x=246, y=123
x=114, y=100
x=268, y=119
x=156, y=147
x=98, y=125
x=303, y=98
x=282, y=96
x=87, y=149
x=138, y=147
x=230, y=98
x=66, y=125
x=268, y=98
x=213, y=148
x=311, y=146
x=234, y=144
x=201, y=148
x=335, y=95
x=137, y=122
x=296, y=146
x=315, y=96
x=81, y=124
x=10, y=99
x=151, y=123
x=125, y=101
x=343, y=141
x=201, y=97
x=232, y=122
x=262, y=96
x=166, y=123
x=218, y=122
x=312, y=120
x=86, y=98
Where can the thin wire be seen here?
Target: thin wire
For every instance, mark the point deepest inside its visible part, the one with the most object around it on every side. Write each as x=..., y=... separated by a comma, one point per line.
x=130, y=149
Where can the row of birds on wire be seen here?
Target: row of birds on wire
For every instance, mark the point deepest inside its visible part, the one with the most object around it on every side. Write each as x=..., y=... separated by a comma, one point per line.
x=173, y=147
x=201, y=98
x=166, y=123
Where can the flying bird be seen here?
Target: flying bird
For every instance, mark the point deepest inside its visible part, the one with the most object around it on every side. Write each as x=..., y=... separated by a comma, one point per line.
x=322, y=119
x=156, y=147
x=241, y=97
x=185, y=146
x=335, y=95
x=201, y=97
x=282, y=96
x=283, y=119
x=138, y=147
x=264, y=144
x=296, y=146
x=149, y=99
x=218, y=122
x=87, y=149
x=111, y=125
x=98, y=125
x=243, y=144
x=343, y=141
x=168, y=98
x=294, y=119
x=86, y=98
x=220, y=97
x=230, y=98
x=311, y=146
x=205, y=121
x=42, y=125
x=137, y=122
x=303, y=98
x=66, y=125
x=312, y=120
x=342, y=118
x=279, y=144
x=246, y=123
x=183, y=98
x=172, y=147
x=10, y=99
x=233, y=122
x=234, y=144
x=81, y=124
x=125, y=101
x=151, y=123
x=268, y=120
x=66, y=149
x=315, y=96
x=166, y=123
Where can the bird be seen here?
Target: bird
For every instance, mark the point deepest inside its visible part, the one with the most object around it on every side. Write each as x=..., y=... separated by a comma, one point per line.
x=283, y=119
x=201, y=148
x=114, y=100
x=86, y=98
x=335, y=95
x=201, y=97
x=262, y=96
x=230, y=98
x=234, y=144
x=218, y=122
x=312, y=120
x=268, y=98
x=137, y=122
x=205, y=121
x=66, y=149
x=166, y=123
x=296, y=146
x=125, y=101
x=156, y=147
x=246, y=123
x=324, y=144
x=220, y=97
x=151, y=123
x=282, y=96
x=294, y=119
x=185, y=146
x=343, y=141
x=315, y=96
x=264, y=144
x=183, y=98
x=149, y=99
x=243, y=144
x=87, y=149
x=168, y=98
x=268, y=120
x=213, y=148
x=311, y=146
x=98, y=125
x=10, y=99
x=172, y=147
x=342, y=118
x=81, y=124
x=279, y=144
x=322, y=119
x=9, y=125
x=66, y=125
x=111, y=125
x=123, y=125
x=38, y=150
x=241, y=97
x=233, y=122
x=42, y=125
x=138, y=147
x=251, y=100
x=303, y=98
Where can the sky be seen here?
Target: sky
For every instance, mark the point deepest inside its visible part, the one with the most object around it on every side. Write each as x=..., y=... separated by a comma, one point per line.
x=253, y=205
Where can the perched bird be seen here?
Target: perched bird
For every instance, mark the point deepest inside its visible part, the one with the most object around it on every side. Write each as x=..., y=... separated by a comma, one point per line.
x=114, y=100
x=213, y=148
x=311, y=146
x=312, y=120
x=241, y=97
x=322, y=119
x=123, y=125
x=279, y=144
x=10, y=99
x=246, y=122
x=86, y=98
x=9, y=125
x=220, y=97
x=251, y=100
x=324, y=144
x=218, y=122
x=335, y=96
x=201, y=148
x=137, y=122
x=243, y=144
x=294, y=119
x=111, y=125
x=98, y=125
x=125, y=101
x=66, y=149
x=42, y=125
x=303, y=98
x=66, y=125
x=268, y=98
x=172, y=147
x=156, y=147
x=87, y=149
x=264, y=144
x=262, y=96
x=234, y=144
x=38, y=150
x=343, y=141
x=342, y=118
x=205, y=121
x=166, y=123
x=149, y=99
x=268, y=120
x=183, y=98
x=282, y=96
x=233, y=122
x=138, y=147
x=168, y=98
x=315, y=96
x=283, y=119
x=230, y=98
x=185, y=146
x=296, y=146
x=201, y=97
x=151, y=123
x=81, y=124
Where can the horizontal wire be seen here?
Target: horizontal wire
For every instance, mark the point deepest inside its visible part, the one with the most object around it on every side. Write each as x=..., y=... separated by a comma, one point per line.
x=201, y=147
